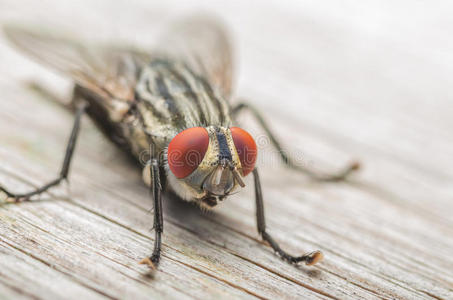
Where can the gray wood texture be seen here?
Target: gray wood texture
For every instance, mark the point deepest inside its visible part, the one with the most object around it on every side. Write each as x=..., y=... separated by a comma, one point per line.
x=338, y=81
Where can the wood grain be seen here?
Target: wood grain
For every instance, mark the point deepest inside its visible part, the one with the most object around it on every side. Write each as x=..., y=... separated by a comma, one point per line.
x=337, y=82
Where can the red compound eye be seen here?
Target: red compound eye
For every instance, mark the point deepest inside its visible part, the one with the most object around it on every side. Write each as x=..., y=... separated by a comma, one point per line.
x=186, y=151
x=246, y=148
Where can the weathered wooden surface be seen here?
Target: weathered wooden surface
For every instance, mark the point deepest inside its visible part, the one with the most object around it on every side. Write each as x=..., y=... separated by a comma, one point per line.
x=368, y=81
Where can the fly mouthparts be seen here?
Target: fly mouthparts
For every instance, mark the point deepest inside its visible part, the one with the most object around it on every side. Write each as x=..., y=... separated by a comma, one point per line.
x=224, y=163
x=234, y=170
x=238, y=177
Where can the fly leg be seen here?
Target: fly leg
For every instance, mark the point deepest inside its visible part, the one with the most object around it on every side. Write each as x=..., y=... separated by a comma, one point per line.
x=45, y=93
x=310, y=258
x=341, y=175
x=66, y=163
x=156, y=189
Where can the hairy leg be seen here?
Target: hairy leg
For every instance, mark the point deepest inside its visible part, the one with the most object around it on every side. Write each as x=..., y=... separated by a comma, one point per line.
x=156, y=189
x=310, y=258
x=43, y=92
x=341, y=175
x=66, y=163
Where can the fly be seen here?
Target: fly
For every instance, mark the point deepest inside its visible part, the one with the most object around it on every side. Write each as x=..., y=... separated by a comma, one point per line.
x=170, y=103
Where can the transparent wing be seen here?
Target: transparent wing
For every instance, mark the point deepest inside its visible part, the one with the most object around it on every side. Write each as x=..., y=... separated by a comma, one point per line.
x=109, y=71
x=203, y=44
x=112, y=71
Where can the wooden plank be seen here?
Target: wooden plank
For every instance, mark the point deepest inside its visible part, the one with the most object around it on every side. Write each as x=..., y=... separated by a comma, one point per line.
x=350, y=91
x=205, y=256
x=19, y=270
x=140, y=195
x=10, y=293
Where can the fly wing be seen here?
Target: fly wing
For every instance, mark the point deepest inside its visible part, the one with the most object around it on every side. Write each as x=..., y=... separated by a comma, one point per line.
x=109, y=71
x=203, y=44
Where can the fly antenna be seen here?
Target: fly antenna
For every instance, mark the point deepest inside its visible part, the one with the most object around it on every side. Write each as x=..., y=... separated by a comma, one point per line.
x=238, y=177
x=236, y=174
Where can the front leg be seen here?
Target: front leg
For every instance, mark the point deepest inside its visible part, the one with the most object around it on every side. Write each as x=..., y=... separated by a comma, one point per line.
x=156, y=189
x=310, y=258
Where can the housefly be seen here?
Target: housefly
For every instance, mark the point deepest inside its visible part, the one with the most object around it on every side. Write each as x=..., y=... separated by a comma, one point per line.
x=172, y=103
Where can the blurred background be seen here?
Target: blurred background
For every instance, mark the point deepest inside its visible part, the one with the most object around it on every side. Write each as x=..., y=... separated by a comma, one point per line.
x=338, y=81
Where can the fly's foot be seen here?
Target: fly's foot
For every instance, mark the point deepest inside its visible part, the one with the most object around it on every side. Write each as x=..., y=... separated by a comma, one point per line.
x=342, y=175
x=353, y=167
x=313, y=258
x=8, y=197
x=147, y=261
x=152, y=262
x=309, y=259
